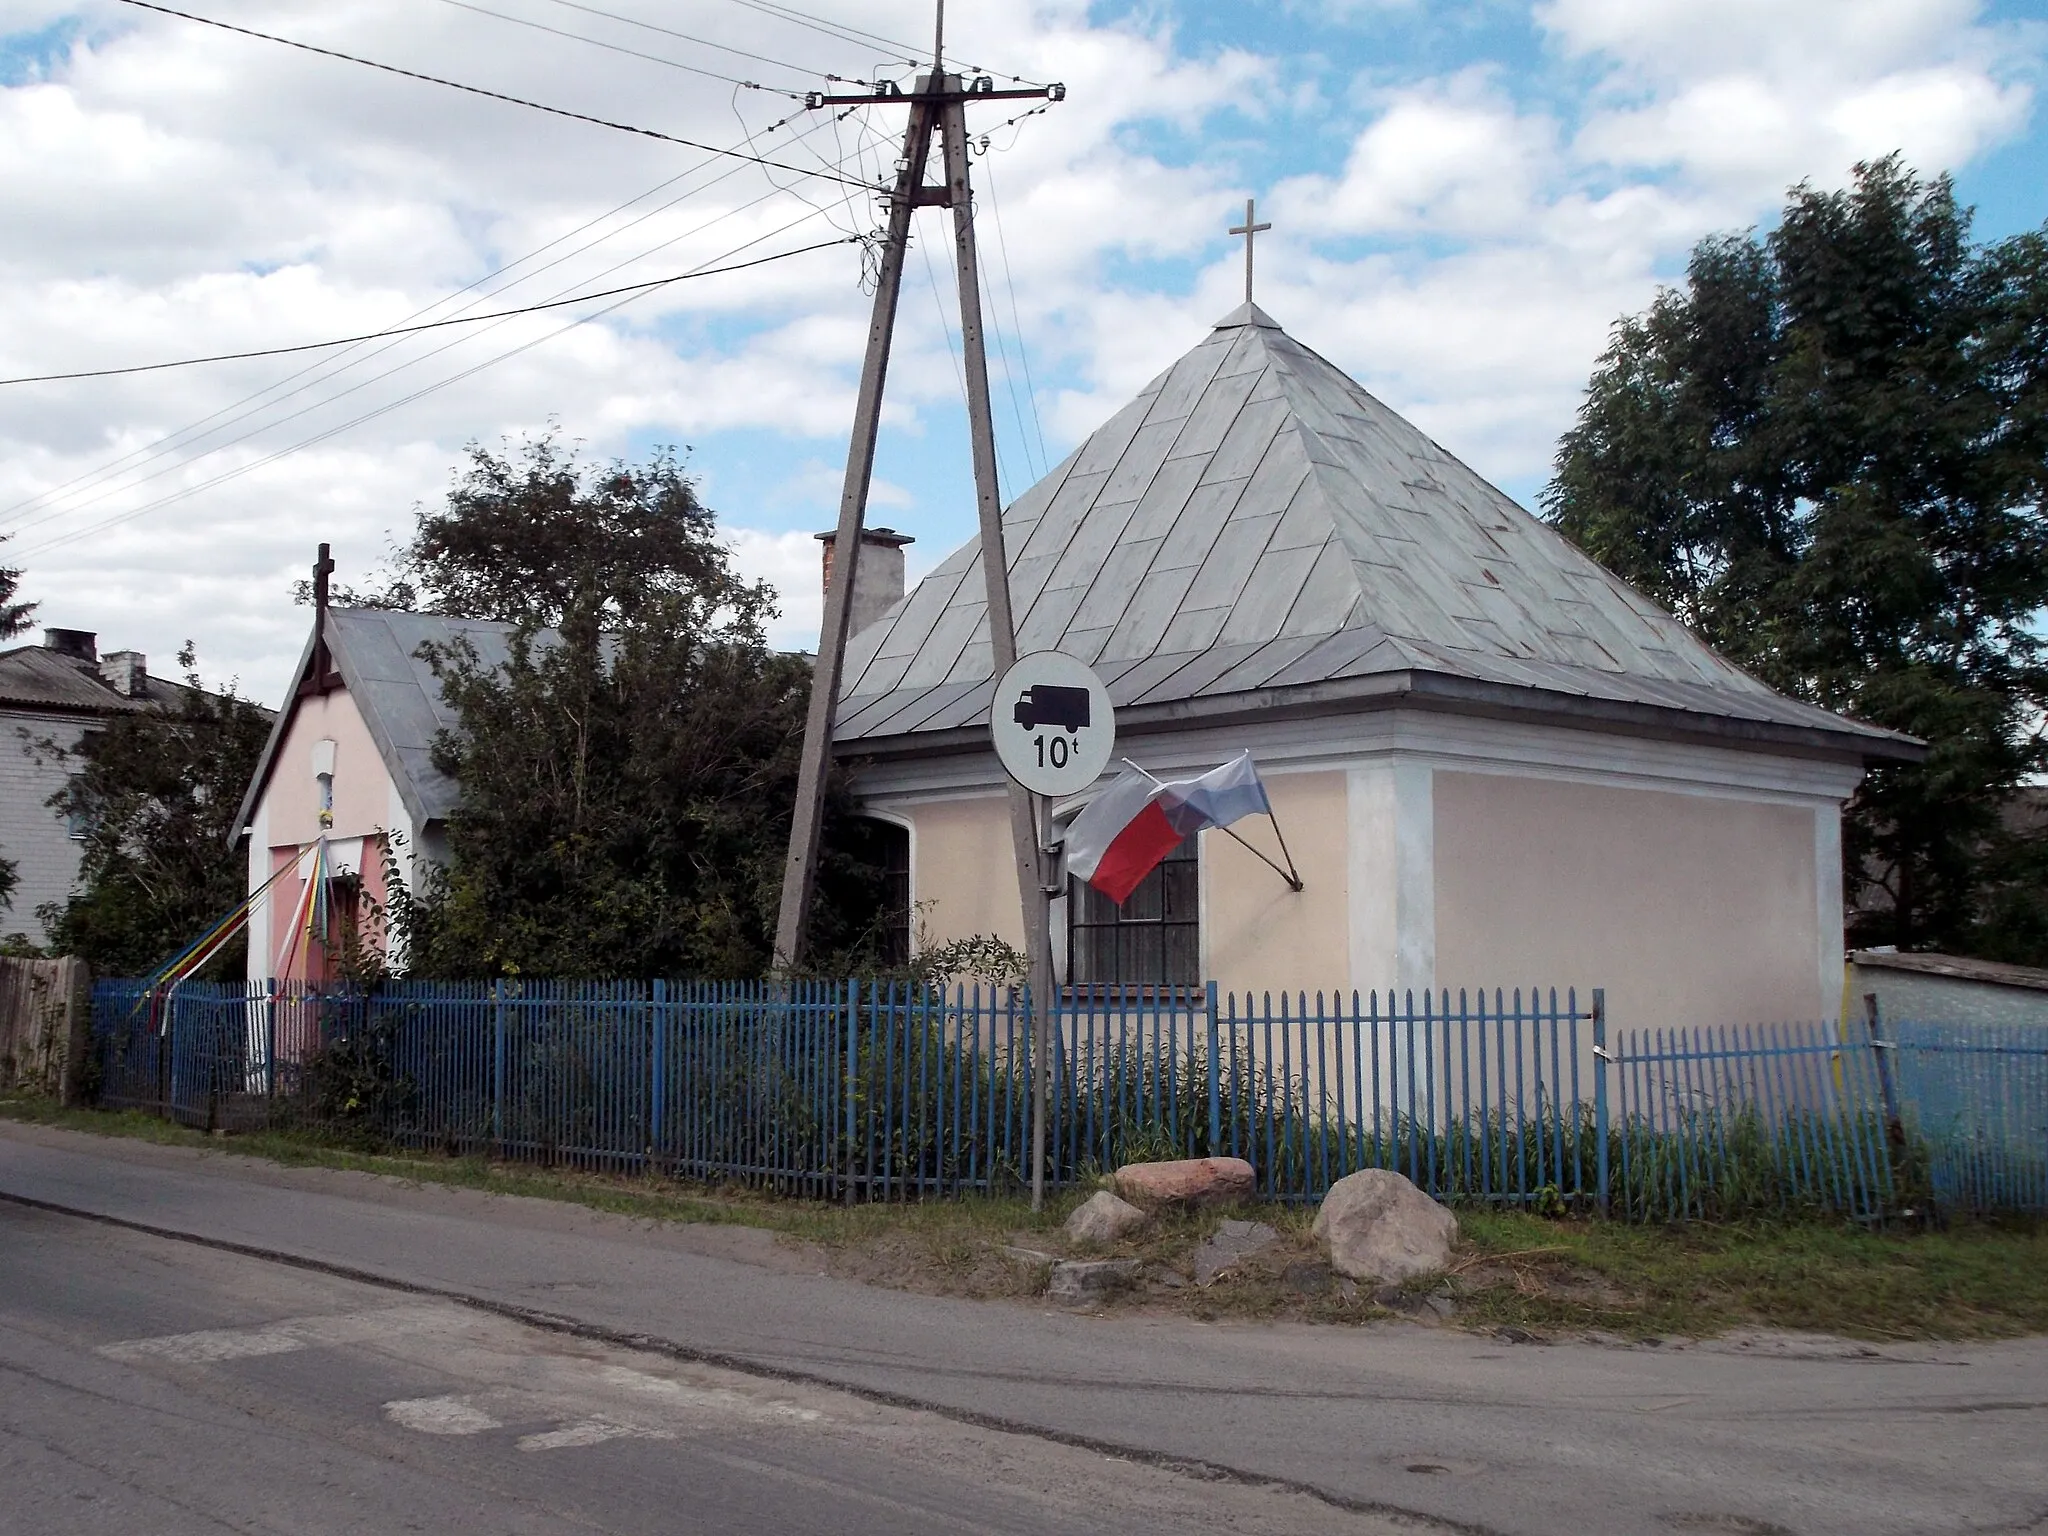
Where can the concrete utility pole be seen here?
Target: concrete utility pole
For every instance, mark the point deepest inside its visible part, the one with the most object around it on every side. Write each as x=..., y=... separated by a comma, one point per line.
x=937, y=102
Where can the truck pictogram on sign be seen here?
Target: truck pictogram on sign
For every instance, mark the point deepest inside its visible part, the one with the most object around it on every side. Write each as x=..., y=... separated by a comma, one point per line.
x=1051, y=704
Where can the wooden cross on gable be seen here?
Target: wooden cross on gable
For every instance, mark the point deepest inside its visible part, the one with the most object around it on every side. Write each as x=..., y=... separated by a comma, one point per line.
x=1250, y=231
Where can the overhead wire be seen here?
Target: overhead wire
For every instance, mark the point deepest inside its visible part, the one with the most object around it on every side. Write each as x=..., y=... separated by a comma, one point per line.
x=954, y=352
x=327, y=369
x=912, y=54
x=842, y=32
x=1016, y=319
x=633, y=53
x=457, y=85
x=431, y=325
x=105, y=493
x=705, y=42
x=72, y=536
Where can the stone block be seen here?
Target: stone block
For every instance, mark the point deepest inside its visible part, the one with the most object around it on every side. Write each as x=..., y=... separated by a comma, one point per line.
x=1078, y=1281
x=1189, y=1181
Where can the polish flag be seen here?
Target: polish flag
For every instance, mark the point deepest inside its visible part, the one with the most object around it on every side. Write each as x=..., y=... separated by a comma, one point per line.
x=1120, y=836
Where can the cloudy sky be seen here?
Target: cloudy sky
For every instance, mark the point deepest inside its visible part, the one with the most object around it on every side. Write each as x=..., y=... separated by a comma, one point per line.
x=1465, y=195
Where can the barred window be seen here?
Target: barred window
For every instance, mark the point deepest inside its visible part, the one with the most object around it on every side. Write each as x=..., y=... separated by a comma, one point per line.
x=1153, y=939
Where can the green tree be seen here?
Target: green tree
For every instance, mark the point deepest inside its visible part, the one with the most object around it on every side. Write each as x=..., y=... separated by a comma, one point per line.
x=158, y=792
x=523, y=536
x=1826, y=454
x=627, y=774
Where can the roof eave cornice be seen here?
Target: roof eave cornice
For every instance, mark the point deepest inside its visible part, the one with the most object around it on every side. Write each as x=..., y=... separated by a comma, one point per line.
x=1416, y=689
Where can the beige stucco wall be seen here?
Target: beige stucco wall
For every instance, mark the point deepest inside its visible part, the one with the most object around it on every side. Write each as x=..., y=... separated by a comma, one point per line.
x=1257, y=934
x=1688, y=909
x=963, y=873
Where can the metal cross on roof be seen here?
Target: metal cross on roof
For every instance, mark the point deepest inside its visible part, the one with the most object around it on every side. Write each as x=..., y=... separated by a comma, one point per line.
x=1250, y=231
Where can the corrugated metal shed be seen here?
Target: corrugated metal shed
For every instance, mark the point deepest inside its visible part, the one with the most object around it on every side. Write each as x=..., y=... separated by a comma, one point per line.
x=1255, y=522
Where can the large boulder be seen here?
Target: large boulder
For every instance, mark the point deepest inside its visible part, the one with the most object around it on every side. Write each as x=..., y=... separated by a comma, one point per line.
x=1190, y=1181
x=1103, y=1219
x=1378, y=1226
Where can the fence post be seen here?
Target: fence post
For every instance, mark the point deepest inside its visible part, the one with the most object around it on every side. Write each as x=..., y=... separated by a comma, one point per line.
x=1600, y=1094
x=1894, y=1122
x=270, y=1049
x=1215, y=1079
x=657, y=1073
x=849, y=1077
x=498, y=1066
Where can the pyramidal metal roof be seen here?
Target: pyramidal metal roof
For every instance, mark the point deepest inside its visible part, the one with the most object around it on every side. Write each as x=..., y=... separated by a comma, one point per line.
x=1256, y=530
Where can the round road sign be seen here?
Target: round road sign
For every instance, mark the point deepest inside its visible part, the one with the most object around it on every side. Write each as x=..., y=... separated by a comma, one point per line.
x=1053, y=726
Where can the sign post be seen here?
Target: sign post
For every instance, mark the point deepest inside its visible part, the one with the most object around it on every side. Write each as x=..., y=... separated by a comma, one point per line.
x=1054, y=732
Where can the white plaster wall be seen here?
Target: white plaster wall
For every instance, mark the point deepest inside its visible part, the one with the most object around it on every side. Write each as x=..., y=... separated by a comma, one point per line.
x=1392, y=877
x=262, y=921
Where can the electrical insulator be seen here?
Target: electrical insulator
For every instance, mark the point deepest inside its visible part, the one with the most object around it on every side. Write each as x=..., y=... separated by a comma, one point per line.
x=1056, y=92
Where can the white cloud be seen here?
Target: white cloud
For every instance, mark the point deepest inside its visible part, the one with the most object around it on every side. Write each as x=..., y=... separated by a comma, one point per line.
x=172, y=190
x=1448, y=155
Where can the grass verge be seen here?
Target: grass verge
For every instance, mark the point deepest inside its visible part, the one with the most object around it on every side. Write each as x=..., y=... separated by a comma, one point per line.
x=1544, y=1277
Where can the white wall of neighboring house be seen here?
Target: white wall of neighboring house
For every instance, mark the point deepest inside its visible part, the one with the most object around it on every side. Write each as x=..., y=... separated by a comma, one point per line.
x=35, y=837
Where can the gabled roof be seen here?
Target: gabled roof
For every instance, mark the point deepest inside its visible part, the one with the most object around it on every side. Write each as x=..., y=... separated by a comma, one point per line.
x=38, y=677
x=376, y=651
x=1255, y=529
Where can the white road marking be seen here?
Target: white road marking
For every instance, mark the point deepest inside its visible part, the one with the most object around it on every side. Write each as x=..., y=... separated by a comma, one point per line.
x=589, y=1432
x=440, y=1416
x=209, y=1346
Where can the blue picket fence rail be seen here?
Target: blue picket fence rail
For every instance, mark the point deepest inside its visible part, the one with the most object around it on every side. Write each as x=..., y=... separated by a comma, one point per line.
x=865, y=1090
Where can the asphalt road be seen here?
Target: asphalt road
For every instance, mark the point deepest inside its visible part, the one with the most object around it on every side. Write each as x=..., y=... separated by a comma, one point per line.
x=151, y=1385
x=1760, y=1436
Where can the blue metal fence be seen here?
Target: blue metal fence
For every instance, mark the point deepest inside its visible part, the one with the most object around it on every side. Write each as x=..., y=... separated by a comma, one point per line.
x=872, y=1090
x=1973, y=1100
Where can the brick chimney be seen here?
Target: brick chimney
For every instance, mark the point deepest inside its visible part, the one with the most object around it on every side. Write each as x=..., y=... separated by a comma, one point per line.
x=80, y=643
x=126, y=672
x=878, y=578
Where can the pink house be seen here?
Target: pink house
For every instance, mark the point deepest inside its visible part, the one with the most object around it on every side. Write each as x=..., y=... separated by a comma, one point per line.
x=348, y=774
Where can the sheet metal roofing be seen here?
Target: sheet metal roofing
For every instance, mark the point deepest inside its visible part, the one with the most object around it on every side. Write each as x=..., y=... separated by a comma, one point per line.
x=35, y=677
x=1256, y=524
x=377, y=653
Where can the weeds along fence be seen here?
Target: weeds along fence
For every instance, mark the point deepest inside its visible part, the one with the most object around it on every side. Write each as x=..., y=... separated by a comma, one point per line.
x=864, y=1090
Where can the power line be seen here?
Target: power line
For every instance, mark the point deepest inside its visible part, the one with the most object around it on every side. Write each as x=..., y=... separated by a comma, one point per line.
x=431, y=325
x=1016, y=320
x=477, y=90
x=702, y=42
x=398, y=368
x=838, y=31
x=74, y=535
x=953, y=352
x=634, y=53
x=170, y=441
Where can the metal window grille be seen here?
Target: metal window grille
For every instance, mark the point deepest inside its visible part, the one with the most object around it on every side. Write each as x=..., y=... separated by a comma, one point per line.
x=1153, y=939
